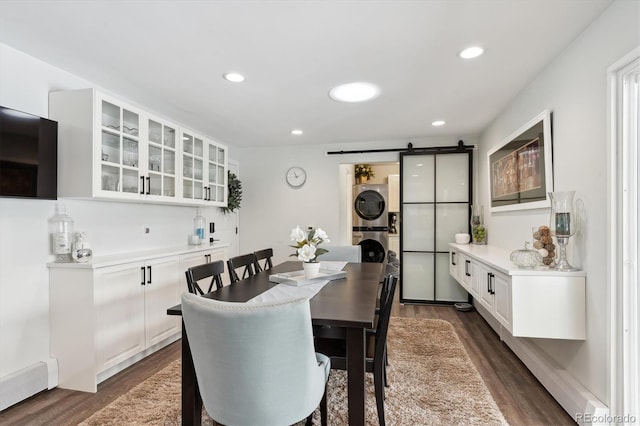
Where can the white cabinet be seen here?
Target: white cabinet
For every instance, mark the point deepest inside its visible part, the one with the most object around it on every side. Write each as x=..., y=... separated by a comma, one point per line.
x=109, y=313
x=119, y=313
x=108, y=149
x=204, y=170
x=139, y=320
x=527, y=303
x=493, y=291
x=394, y=193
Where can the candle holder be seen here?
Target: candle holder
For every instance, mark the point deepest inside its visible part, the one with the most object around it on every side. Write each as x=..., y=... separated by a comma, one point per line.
x=562, y=225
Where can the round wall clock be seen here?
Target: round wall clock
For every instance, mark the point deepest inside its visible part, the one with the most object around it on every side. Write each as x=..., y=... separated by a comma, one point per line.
x=296, y=177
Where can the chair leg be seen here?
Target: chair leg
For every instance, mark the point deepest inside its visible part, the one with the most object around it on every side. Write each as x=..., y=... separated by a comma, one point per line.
x=309, y=421
x=323, y=409
x=378, y=384
x=386, y=363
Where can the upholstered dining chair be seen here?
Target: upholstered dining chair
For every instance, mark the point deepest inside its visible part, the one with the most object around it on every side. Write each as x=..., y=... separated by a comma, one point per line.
x=213, y=270
x=246, y=262
x=376, y=352
x=343, y=253
x=263, y=259
x=256, y=364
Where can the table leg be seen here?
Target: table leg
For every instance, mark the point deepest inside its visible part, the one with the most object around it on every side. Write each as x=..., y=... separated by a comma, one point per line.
x=356, y=375
x=191, y=399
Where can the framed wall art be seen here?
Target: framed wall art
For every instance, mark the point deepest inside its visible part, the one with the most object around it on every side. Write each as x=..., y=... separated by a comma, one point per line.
x=520, y=168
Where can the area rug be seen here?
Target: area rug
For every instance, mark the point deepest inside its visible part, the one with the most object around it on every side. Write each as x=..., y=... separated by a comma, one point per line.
x=432, y=382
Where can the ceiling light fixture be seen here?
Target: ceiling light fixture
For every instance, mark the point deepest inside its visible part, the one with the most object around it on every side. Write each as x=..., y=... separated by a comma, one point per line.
x=354, y=92
x=233, y=77
x=471, y=52
x=296, y=132
x=438, y=123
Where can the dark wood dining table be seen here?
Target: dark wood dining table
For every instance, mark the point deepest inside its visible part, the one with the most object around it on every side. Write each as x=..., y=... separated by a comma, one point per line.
x=348, y=303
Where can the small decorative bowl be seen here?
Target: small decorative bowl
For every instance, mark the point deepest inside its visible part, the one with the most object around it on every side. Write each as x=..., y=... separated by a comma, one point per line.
x=462, y=238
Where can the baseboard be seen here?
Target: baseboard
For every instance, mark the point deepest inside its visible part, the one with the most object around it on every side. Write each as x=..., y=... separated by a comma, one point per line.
x=27, y=382
x=577, y=401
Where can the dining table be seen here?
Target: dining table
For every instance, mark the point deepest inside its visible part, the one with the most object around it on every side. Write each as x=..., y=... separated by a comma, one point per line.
x=347, y=303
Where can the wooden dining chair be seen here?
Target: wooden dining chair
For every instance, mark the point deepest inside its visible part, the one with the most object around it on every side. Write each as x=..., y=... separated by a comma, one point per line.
x=376, y=352
x=213, y=270
x=263, y=256
x=246, y=261
x=256, y=364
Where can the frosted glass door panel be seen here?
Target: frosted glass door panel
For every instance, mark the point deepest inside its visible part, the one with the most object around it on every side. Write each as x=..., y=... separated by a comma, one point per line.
x=417, y=227
x=417, y=179
x=450, y=219
x=447, y=288
x=452, y=176
x=417, y=276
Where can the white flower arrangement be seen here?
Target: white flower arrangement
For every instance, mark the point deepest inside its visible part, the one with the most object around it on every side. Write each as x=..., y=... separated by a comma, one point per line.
x=307, y=243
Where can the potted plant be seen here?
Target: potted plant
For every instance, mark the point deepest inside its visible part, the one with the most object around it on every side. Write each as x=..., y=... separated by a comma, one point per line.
x=363, y=173
x=307, y=250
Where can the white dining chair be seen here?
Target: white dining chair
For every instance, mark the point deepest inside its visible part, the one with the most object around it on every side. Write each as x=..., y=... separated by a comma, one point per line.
x=256, y=364
x=342, y=253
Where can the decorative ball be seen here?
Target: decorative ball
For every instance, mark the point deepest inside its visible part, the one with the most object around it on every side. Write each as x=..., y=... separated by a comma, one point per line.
x=543, y=252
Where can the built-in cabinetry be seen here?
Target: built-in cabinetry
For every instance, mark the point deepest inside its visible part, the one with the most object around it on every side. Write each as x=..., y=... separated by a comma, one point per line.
x=108, y=314
x=526, y=302
x=111, y=150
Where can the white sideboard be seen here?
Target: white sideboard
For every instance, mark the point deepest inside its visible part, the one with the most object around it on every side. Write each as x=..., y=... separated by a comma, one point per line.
x=110, y=313
x=527, y=302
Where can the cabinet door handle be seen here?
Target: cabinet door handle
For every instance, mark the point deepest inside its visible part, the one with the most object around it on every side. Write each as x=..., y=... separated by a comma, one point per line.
x=142, y=180
x=206, y=193
x=491, y=279
x=466, y=268
x=453, y=259
x=144, y=279
x=148, y=186
x=149, y=279
x=489, y=282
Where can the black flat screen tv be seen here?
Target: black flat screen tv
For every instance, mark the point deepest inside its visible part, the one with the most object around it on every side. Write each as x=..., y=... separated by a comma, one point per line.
x=28, y=155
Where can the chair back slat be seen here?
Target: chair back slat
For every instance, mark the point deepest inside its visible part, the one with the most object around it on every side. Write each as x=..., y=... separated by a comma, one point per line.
x=263, y=256
x=213, y=270
x=246, y=262
x=386, y=302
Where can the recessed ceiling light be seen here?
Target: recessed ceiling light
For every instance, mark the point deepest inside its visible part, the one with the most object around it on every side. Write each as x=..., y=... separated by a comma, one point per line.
x=471, y=52
x=233, y=77
x=296, y=132
x=354, y=92
x=438, y=123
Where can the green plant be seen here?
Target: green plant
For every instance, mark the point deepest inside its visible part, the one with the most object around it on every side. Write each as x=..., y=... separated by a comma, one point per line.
x=234, y=196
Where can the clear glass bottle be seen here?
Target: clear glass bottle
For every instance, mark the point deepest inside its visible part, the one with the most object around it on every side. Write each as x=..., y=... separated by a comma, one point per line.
x=61, y=231
x=198, y=226
x=478, y=230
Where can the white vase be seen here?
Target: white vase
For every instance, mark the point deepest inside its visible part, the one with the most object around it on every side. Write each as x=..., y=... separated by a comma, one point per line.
x=311, y=269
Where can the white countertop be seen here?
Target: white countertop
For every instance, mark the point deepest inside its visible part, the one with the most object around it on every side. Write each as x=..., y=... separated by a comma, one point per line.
x=500, y=259
x=119, y=258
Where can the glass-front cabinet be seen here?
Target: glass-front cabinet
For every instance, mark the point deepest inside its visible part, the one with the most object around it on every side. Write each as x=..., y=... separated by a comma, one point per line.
x=161, y=159
x=119, y=148
x=204, y=166
x=110, y=150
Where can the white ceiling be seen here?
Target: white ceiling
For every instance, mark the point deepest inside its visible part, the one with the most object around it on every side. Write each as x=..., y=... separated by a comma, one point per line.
x=169, y=56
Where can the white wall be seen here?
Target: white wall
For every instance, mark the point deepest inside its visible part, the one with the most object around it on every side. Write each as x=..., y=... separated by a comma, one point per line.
x=573, y=87
x=270, y=208
x=24, y=246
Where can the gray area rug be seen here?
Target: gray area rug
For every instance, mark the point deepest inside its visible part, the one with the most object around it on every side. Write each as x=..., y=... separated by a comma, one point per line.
x=432, y=382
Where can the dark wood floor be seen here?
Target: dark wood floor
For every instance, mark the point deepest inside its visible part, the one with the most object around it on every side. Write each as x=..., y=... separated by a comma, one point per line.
x=519, y=395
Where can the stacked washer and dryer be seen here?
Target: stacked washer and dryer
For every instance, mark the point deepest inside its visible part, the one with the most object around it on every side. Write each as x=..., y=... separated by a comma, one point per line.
x=371, y=221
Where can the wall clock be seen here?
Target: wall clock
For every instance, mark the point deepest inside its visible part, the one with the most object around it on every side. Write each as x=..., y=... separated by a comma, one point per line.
x=296, y=177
